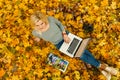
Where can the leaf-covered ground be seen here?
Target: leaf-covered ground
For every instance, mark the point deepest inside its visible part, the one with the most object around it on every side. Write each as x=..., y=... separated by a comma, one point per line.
x=23, y=59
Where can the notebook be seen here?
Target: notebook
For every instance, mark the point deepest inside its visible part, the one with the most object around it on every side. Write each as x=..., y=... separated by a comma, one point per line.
x=57, y=62
x=75, y=47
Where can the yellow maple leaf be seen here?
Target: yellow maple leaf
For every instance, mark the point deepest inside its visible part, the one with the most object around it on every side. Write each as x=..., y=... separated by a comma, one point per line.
x=69, y=16
x=9, y=40
x=86, y=75
x=31, y=1
x=16, y=12
x=98, y=19
x=15, y=42
x=20, y=21
x=99, y=35
x=93, y=1
x=51, y=13
x=104, y=3
x=77, y=75
x=25, y=1
x=43, y=10
x=106, y=55
x=33, y=59
x=17, y=48
x=118, y=64
x=2, y=72
x=38, y=72
x=102, y=42
x=14, y=77
x=1, y=4
x=67, y=78
x=23, y=6
x=78, y=18
x=30, y=11
x=49, y=74
x=27, y=69
x=58, y=73
x=101, y=77
x=113, y=5
x=26, y=43
x=9, y=7
x=1, y=32
x=64, y=0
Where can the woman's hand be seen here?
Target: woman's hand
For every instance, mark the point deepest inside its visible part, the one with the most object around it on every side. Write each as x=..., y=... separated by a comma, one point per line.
x=37, y=39
x=66, y=38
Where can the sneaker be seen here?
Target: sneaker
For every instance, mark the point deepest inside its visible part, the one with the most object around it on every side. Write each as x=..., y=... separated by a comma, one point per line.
x=111, y=70
x=106, y=74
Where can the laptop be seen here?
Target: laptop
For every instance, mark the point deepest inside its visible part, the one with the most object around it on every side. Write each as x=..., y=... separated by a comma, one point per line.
x=75, y=47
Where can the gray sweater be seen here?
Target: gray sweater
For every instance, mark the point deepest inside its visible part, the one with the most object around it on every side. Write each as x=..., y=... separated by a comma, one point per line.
x=53, y=34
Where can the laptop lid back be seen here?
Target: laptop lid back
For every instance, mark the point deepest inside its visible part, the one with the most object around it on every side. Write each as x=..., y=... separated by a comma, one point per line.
x=82, y=47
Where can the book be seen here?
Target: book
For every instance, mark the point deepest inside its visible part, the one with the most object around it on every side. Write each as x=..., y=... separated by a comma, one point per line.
x=57, y=62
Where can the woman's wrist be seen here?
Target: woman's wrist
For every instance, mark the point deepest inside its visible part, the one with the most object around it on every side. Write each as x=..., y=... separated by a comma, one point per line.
x=64, y=33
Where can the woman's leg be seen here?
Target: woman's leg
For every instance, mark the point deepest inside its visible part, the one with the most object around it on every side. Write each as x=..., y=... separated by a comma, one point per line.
x=89, y=58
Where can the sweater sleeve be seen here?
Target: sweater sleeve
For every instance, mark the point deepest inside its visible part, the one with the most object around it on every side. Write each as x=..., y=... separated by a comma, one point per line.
x=36, y=34
x=58, y=23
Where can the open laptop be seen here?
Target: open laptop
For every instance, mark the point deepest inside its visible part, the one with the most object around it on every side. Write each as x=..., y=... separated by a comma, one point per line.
x=75, y=47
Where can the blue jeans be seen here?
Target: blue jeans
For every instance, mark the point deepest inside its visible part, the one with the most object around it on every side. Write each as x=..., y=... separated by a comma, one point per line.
x=89, y=58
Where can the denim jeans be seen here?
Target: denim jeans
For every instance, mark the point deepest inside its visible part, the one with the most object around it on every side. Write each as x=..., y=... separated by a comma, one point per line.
x=89, y=58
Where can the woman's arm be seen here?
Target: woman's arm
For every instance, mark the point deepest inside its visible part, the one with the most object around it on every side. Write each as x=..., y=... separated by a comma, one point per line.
x=62, y=28
x=65, y=37
x=37, y=36
x=58, y=23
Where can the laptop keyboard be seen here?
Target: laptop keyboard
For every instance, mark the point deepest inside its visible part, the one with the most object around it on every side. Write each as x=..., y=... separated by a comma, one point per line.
x=73, y=45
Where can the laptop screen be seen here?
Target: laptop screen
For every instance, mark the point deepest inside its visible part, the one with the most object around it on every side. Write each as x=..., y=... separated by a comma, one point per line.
x=73, y=45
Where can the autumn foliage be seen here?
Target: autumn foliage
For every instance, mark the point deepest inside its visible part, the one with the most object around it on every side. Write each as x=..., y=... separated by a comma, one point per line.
x=23, y=59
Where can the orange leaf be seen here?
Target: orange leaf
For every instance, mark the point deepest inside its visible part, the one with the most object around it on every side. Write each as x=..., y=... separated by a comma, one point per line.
x=106, y=56
x=2, y=72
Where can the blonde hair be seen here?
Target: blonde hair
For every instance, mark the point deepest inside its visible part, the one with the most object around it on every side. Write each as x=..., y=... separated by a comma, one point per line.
x=40, y=16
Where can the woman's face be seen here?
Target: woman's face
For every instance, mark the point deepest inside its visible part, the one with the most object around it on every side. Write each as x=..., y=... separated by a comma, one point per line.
x=40, y=25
